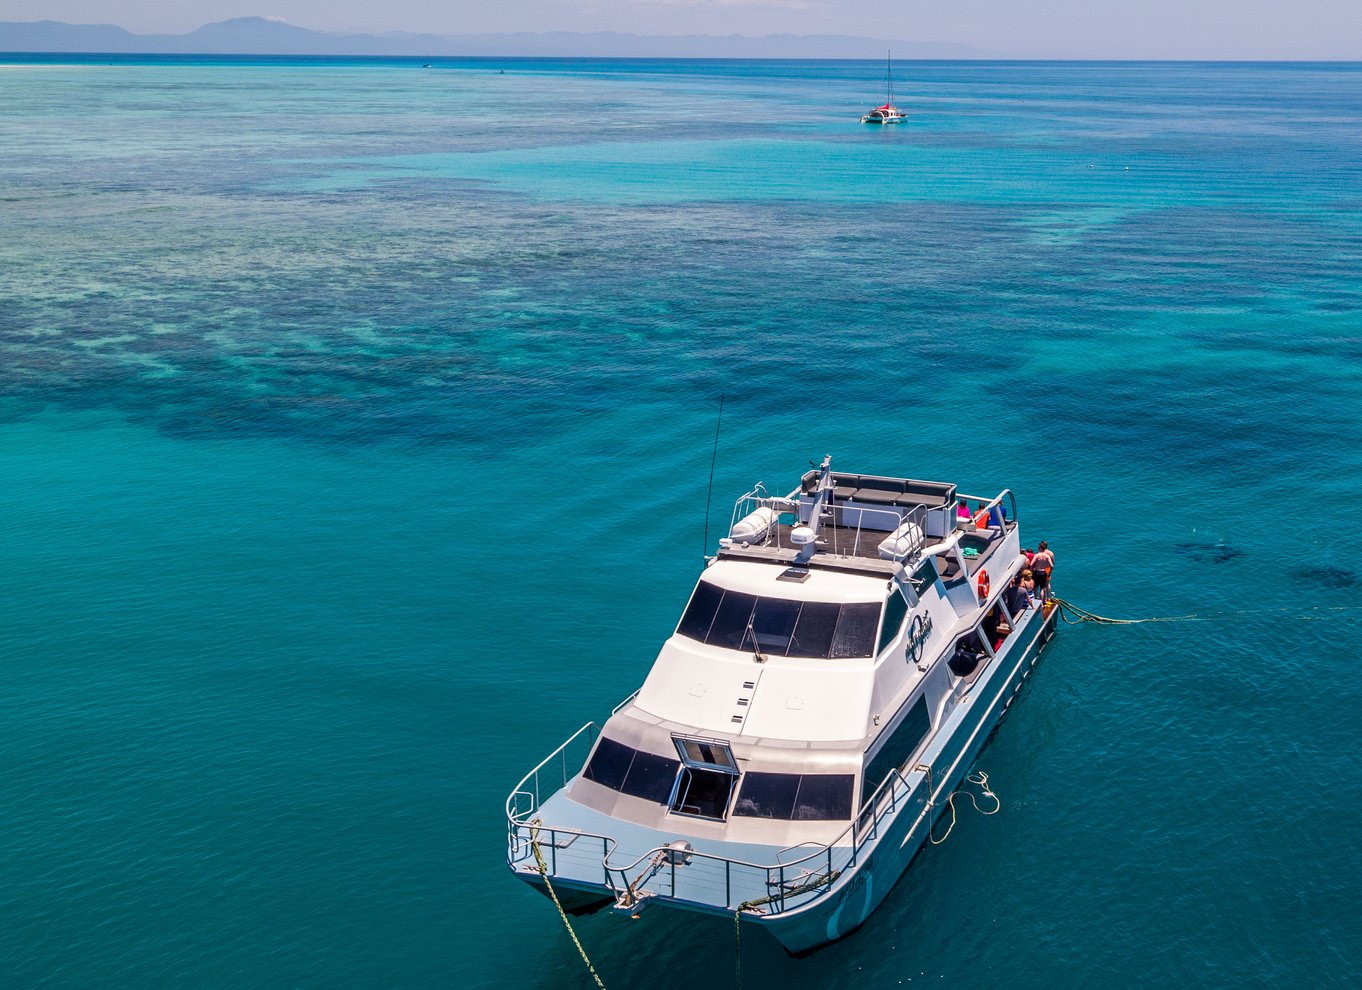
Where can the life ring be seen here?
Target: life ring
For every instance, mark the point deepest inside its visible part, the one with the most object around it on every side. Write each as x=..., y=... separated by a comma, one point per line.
x=983, y=586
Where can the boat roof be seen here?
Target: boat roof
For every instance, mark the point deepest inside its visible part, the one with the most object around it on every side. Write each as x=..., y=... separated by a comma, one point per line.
x=770, y=579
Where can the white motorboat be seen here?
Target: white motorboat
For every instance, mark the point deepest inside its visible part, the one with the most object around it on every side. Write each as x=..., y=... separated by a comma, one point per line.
x=842, y=660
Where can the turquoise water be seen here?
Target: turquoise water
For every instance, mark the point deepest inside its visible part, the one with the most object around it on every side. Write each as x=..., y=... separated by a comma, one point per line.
x=356, y=431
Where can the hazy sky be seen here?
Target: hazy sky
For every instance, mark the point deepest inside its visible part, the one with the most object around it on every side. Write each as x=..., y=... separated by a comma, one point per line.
x=1301, y=29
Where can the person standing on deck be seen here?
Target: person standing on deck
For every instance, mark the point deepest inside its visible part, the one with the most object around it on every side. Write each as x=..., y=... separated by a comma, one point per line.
x=1041, y=566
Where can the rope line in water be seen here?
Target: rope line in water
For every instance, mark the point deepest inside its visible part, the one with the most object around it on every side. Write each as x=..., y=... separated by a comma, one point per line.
x=1081, y=615
x=981, y=779
x=544, y=872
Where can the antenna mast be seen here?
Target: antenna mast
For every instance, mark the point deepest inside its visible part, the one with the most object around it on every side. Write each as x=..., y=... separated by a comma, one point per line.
x=709, y=495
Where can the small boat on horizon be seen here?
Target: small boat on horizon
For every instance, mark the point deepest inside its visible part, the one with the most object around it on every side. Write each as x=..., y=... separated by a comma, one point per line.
x=888, y=113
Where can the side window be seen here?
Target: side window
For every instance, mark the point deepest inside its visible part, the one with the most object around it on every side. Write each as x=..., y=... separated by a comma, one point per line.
x=924, y=576
x=824, y=797
x=810, y=797
x=899, y=747
x=700, y=612
x=767, y=795
x=895, y=609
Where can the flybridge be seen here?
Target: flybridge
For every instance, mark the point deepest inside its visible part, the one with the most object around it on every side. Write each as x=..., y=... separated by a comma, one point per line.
x=866, y=523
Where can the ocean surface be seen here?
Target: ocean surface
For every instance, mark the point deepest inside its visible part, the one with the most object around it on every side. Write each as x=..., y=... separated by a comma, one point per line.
x=355, y=431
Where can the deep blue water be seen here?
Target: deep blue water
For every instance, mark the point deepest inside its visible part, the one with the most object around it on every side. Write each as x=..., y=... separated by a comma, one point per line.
x=356, y=431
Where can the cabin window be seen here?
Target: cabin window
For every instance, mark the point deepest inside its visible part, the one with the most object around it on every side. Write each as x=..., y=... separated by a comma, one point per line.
x=767, y=795
x=895, y=611
x=700, y=612
x=706, y=782
x=813, y=632
x=731, y=621
x=902, y=743
x=780, y=627
x=824, y=797
x=855, y=630
x=703, y=793
x=818, y=797
x=924, y=577
x=706, y=753
x=773, y=623
x=631, y=771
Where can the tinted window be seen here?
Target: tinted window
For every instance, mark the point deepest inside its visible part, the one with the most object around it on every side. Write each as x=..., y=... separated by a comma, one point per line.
x=855, y=633
x=813, y=632
x=651, y=777
x=703, y=752
x=783, y=628
x=823, y=797
x=773, y=622
x=814, y=797
x=924, y=576
x=894, y=611
x=700, y=613
x=620, y=768
x=730, y=622
x=609, y=764
x=767, y=795
x=900, y=745
x=704, y=793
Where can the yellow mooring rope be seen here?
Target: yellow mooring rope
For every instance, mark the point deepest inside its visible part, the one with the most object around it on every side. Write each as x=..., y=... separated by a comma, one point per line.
x=803, y=888
x=544, y=872
x=1066, y=609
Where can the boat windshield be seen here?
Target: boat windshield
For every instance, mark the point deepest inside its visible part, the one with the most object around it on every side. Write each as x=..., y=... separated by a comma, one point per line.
x=779, y=627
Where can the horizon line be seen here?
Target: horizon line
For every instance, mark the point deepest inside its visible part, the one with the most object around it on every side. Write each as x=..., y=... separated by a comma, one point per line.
x=690, y=58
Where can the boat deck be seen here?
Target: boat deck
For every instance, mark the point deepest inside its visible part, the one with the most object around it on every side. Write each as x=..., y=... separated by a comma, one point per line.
x=861, y=544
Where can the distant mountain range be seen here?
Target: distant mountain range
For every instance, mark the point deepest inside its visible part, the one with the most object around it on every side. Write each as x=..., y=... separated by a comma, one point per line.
x=266, y=36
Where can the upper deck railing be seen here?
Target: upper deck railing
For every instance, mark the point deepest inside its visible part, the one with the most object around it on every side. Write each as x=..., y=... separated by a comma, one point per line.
x=991, y=504
x=850, y=530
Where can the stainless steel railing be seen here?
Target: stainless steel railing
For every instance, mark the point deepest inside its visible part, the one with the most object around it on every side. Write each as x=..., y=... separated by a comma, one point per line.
x=708, y=880
x=879, y=521
x=698, y=878
x=528, y=795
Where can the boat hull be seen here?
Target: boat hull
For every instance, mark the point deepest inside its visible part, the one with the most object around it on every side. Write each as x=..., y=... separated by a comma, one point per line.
x=844, y=910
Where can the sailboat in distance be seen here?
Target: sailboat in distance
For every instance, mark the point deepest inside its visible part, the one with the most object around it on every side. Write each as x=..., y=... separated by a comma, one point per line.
x=888, y=113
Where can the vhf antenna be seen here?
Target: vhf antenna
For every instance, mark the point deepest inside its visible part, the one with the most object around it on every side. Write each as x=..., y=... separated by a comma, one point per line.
x=713, y=458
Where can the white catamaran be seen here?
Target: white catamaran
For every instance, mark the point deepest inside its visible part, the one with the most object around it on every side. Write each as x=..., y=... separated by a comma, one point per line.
x=841, y=662
x=888, y=113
